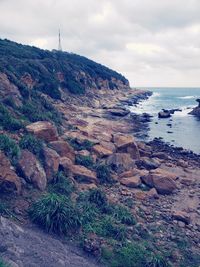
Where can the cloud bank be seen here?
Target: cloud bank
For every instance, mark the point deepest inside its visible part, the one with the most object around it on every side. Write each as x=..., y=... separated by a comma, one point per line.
x=153, y=43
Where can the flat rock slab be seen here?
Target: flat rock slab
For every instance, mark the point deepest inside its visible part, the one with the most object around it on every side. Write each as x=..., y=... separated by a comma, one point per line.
x=33, y=248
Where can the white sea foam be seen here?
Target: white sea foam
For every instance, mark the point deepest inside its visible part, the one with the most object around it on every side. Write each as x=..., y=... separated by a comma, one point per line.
x=187, y=97
x=185, y=111
x=155, y=94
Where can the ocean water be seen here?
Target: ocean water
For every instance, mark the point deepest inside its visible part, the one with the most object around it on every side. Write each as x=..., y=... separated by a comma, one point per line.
x=185, y=129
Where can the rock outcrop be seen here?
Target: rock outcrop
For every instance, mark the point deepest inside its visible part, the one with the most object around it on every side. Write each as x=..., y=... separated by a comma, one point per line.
x=51, y=162
x=44, y=130
x=82, y=174
x=196, y=110
x=126, y=144
x=63, y=149
x=31, y=170
x=120, y=162
x=163, y=181
x=9, y=181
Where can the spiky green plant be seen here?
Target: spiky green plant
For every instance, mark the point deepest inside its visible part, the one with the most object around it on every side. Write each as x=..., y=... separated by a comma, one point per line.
x=85, y=161
x=157, y=261
x=61, y=185
x=3, y=264
x=32, y=143
x=9, y=147
x=123, y=214
x=103, y=174
x=55, y=213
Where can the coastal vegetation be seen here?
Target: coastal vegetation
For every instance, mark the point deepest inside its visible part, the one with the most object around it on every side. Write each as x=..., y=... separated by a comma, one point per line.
x=72, y=166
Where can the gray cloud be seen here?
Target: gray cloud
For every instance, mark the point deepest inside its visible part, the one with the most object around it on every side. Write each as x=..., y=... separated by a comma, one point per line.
x=153, y=43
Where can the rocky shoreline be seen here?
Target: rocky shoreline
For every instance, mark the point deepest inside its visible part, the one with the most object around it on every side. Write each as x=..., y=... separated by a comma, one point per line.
x=158, y=183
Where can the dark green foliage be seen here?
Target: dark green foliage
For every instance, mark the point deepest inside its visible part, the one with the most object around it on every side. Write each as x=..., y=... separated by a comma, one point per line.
x=55, y=213
x=38, y=108
x=7, y=121
x=62, y=185
x=83, y=145
x=103, y=174
x=97, y=197
x=123, y=215
x=157, y=261
x=3, y=264
x=107, y=227
x=86, y=161
x=73, y=86
x=4, y=209
x=9, y=147
x=33, y=144
x=130, y=255
x=44, y=66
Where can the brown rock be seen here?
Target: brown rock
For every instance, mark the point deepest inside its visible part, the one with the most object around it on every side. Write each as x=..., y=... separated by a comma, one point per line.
x=82, y=174
x=121, y=162
x=102, y=151
x=181, y=216
x=108, y=145
x=132, y=182
x=9, y=181
x=63, y=149
x=65, y=165
x=9, y=90
x=44, y=130
x=85, y=153
x=126, y=143
x=32, y=170
x=153, y=193
x=51, y=162
x=160, y=155
x=133, y=172
x=85, y=187
x=122, y=141
x=162, y=180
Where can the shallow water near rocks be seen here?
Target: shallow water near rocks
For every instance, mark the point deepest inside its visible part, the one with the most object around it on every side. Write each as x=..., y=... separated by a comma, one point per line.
x=181, y=129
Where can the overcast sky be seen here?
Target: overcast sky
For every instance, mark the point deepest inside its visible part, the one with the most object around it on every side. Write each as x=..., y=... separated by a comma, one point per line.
x=151, y=42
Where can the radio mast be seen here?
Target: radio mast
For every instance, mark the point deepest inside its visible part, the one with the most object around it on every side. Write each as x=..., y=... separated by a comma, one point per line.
x=59, y=42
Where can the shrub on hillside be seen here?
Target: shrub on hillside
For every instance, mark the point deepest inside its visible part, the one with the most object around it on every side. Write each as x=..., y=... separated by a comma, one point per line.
x=85, y=161
x=7, y=121
x=123, y=215
x=62, y=185
x=3, y=264
x=33, y=144
x=9, y=147
x=84, y=145
x=55, y=213
x=103, y=174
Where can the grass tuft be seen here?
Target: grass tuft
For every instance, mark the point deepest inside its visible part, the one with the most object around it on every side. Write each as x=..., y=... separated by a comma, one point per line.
x=55, y=213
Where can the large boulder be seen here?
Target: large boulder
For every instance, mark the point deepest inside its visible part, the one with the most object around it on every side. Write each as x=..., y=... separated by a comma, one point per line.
x=196, y=110
x=65, y=165
x=102, y=151
x=132, y=182
x=126, y=144
x=44, y=130
x=164, y=114
x=121, y=112
x=63, y=149
x=120, y=162
x=9, y=181
x=9, y=90
x=31, y=170
x=51, y=162
x=148, y=163
x=82, y=174
x=162, y=180
x=181, y=216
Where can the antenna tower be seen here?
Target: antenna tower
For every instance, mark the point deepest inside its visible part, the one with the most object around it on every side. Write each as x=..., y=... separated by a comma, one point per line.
x=59, y=42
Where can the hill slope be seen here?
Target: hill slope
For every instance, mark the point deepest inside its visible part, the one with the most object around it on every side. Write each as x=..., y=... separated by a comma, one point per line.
x=31, y=67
